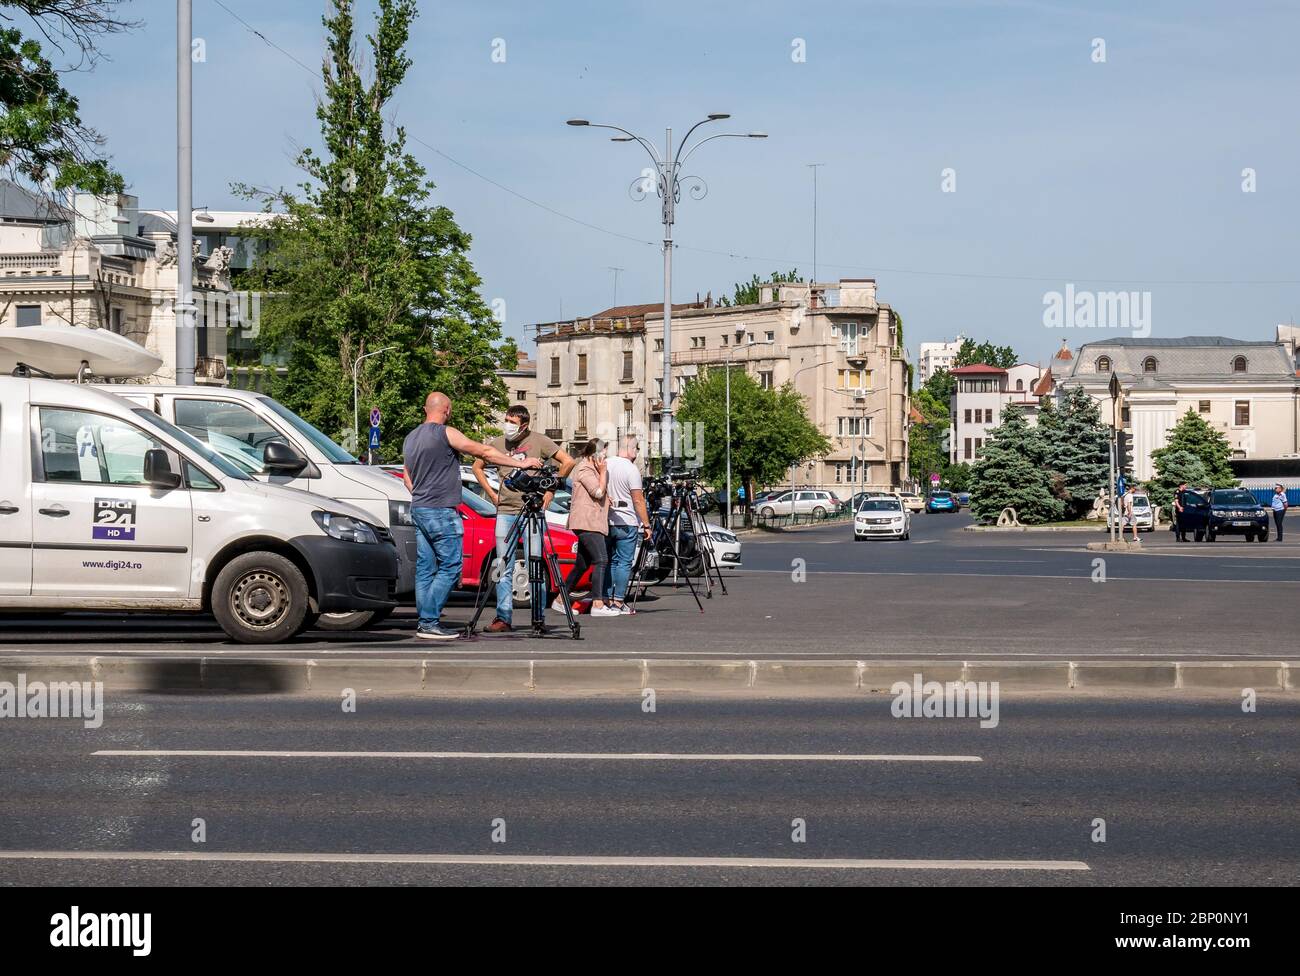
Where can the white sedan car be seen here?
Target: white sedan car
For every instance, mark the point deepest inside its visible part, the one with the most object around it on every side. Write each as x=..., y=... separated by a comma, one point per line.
x=1143, y=515
x=882, y=518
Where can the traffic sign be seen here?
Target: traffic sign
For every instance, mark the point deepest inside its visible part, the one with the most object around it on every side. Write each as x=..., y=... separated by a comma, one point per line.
x=934, y=479
x=374, y=438
x=374, y=416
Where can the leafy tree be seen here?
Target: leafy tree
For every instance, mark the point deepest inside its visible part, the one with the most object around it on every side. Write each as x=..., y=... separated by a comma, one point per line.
x=770, y=430
x=956, y=477
x=1076, y=450
x=1010, y=473
x=361, y=260
x=1172, y=469
x=746, y=293
x=941, y=385
x=926, y=455
x=42, y=137
x=1194, y=435
x=971, y=353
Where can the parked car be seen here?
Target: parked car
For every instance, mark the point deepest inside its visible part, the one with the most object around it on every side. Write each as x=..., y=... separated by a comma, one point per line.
x=912, y=501
x=882, y=518
x=1208, y=514
x=272, y=444
x=115, y=508
x=818, y=504
x=1143, y=514
x=963, y=499
x=941, y=501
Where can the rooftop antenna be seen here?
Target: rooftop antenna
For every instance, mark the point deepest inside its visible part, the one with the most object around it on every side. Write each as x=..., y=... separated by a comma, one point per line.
x=814, y=167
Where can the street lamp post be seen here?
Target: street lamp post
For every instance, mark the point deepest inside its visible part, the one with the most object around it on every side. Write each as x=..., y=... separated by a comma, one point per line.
x=184, y=307
x=668, y=186
x=356, y=418
x=793, y=377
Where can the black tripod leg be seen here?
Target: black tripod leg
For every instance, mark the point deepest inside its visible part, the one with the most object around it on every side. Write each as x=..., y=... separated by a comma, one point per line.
x=704, y=542
x=677, y=563
x=553, y=565
x=512, y=543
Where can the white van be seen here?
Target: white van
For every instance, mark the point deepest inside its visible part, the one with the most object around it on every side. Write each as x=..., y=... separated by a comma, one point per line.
x=106, y=505
x=271, y=443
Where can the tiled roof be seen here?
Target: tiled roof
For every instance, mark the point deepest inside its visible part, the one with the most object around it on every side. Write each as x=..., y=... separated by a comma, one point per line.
x=1044, y=384
x=977, y=368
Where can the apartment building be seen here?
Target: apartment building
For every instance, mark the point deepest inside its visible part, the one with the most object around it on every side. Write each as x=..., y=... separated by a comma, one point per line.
x=980, y=396
x=835, y=342
x=934, y=356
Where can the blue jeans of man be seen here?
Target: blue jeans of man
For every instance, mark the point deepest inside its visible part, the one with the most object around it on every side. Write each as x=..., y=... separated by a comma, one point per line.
x=438, y=560
x=506, y=565
x=621, y=544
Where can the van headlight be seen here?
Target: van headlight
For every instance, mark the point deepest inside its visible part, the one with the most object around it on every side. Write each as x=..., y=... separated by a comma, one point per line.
x=399, y=513
x=345, y=527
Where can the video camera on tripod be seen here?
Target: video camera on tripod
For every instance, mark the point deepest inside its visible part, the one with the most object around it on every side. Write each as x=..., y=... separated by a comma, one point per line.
x=538, y=481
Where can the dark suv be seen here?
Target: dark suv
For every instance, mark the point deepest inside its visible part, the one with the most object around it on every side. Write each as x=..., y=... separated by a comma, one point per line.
x=1225, y=511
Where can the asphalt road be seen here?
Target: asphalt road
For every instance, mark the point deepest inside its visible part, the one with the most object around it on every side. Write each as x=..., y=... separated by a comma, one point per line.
x=946, y=592
x=1192, y=792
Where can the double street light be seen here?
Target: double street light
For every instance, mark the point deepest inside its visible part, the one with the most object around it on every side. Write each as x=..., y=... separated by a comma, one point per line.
x=669, y=180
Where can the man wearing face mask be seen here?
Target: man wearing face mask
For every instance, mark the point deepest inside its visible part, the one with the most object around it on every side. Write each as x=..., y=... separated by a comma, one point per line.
x=520, y=443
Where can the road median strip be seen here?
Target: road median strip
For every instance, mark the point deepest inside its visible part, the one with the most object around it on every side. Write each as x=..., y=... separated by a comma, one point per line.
x=756, y=678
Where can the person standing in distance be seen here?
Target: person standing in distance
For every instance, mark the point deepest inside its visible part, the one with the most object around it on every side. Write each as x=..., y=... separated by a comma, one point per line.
x=628, y=519
x=432, y=472
x=1180, y=505
x=1279, y=507
x=518, y=442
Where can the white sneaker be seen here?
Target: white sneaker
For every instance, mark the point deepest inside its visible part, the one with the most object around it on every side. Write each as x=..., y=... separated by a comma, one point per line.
x=606, y=611
x=558, y=605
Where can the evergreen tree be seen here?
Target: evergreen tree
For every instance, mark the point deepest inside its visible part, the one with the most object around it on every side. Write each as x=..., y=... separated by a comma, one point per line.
x=1010, y=473
x=1172, y=469
x=1076, y=450
x=362, y=260
x=1194, y=435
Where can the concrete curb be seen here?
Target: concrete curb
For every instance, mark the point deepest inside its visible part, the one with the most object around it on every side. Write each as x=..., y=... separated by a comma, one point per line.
x=773, y=679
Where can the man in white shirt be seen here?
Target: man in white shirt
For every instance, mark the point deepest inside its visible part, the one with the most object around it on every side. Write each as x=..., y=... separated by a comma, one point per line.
x=628, y=518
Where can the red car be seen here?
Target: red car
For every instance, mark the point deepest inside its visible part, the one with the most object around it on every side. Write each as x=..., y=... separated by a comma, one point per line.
x=480, y=549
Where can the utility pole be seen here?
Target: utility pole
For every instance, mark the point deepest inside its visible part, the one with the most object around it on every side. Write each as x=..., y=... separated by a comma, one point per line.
x=616, y=271
x=814, y=167
x=184, y=308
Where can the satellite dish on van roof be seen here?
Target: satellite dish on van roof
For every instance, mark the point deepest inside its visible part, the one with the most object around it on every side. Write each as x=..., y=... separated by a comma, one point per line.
x=62, y=351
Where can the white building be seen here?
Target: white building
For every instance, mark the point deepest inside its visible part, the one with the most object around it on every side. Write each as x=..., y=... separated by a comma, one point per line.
x=981, y=394
x=935, y=356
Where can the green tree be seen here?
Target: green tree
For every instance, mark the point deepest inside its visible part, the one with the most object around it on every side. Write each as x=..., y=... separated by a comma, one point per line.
x=1010, y=472
x=42, y=136
x=1172, y=469
x=770, y=430
x=1076, y=450
x=361, y=260
x=746, y=293
x=926, y=455
x=956, y=477
x=941, y=385
x=1194, y=435
x=972, y=353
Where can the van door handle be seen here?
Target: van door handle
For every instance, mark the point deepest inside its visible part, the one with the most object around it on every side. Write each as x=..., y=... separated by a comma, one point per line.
x=8, y=508
x=58, y=511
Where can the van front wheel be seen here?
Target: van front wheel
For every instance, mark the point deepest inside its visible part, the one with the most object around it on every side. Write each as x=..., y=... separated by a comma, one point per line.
x=260, y=598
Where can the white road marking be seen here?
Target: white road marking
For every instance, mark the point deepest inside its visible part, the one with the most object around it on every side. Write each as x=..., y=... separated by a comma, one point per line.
x=582, y=756
x=559, y=860
x=1083, y=576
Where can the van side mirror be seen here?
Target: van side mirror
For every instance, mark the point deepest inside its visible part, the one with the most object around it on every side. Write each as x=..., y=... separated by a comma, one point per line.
x=158, y=471
x=280, y=458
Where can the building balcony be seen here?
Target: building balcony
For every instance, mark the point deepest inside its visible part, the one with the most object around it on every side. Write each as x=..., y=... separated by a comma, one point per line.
x=210, y=368
x=555, y=433
x=720, y=354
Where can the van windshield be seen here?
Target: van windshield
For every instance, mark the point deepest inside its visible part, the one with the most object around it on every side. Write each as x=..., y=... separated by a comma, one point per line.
x=192, y=444
x=332, y=451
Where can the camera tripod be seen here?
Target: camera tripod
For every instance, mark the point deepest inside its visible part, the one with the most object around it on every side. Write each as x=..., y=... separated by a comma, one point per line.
x=666, y=534
x=541, y=561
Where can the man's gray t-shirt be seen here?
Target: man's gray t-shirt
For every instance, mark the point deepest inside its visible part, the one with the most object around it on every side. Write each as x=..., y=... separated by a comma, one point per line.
x=433, y=466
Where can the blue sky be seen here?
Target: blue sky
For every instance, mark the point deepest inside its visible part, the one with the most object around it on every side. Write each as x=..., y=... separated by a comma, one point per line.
x=1123, y=174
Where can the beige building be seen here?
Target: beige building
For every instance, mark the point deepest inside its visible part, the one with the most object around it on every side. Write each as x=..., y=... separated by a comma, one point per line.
x=91, y=263
x=1248, y=391
x=838, y=345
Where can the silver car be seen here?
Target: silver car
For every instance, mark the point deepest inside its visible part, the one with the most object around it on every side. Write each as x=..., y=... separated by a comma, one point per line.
x=818, y=504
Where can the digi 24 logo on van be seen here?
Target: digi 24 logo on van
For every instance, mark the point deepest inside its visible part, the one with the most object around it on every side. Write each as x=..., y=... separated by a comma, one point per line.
x=114, y=519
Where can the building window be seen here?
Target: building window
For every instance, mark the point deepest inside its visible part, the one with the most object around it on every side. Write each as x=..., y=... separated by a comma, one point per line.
x=555, y=416
x=1149, y=364
x=967, y=449
x=968, y=417
x=1239, y=364
x=582, y=368
x=1241, y=413
x=1020, y=386
x=521, y=396
x=627, y=366
x=1203, y=406
x=1124, y=415
x=627, y=416
x=850, y=379
x=771, y=337
x=726, y=339
x=848, y=332
x=659, y=345
x=582, y=417
x=1103, y=364
x=765, y=379
x=117, y=321
x=979, y=444
x=29, y=315
x=555, y=371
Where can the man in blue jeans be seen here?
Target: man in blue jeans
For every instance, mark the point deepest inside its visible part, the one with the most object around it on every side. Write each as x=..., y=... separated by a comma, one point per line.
x=432, y=456
x=628, y=518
